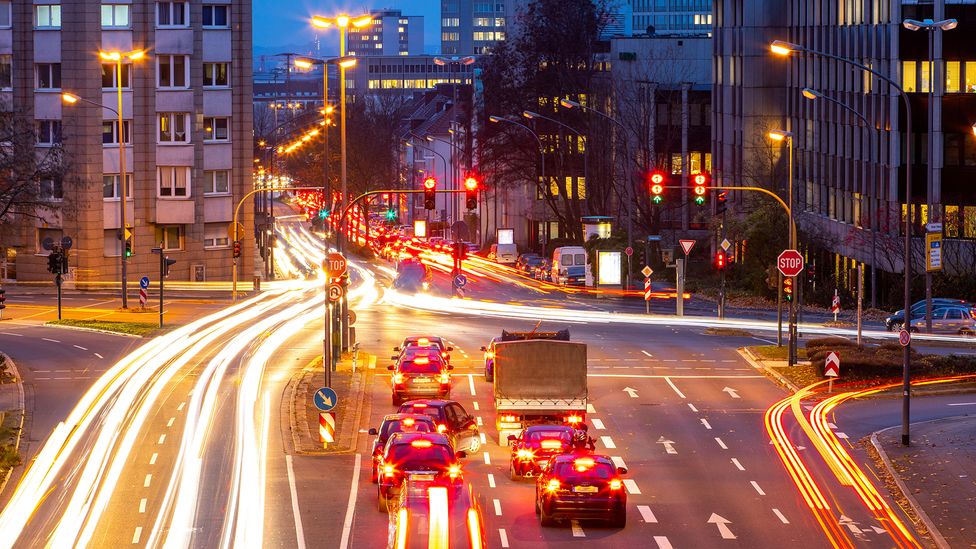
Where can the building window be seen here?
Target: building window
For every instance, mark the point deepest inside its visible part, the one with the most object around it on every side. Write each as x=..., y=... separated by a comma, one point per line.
x=5, y=14
x=172, y=14
x=173, y=71
x=925, y=84
x=216, y=16
x=47, y=16
x=215, y=75
x=43, y=234
x=953, y=84
x=216, y=182
x=172, y=237
x=48, y=132
x=115, y=16
x=172, y=127
x=110, y=132
x=970, y=77
x=6, y=72
x=908, y=69
x=110, y=186
x=48, y=76
x=215, y=235
x=174, y=181
x=109, y=76
x=216, y=128
x=51, y=190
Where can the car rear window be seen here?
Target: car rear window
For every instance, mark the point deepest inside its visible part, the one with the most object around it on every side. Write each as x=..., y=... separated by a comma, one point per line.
x=567, y=471
x=407, y=457
x=427, y=411
x=536, y=436
x=394, y=426
x=426, y=367
x=567, y=260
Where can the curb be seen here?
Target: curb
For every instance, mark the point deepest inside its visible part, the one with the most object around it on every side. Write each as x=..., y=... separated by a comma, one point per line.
x=95, y=330
x=746, y=354
x=937, y=537
x=298, y=413
x=23, y=414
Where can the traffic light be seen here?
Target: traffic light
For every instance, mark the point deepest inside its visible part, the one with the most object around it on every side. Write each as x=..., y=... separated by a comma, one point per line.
x=788, y=288
x=323, y=213
x=720, y=260
x=701, y=187
x=237, y=248
x=54, y=262
x=471, y=192
x=391, y=215
x=811, y=273
x=430, y=193
x=64, y=262
x=167, y=263
x=657, y=186
x=721, y=200
x=128, y=248
x=460, y=250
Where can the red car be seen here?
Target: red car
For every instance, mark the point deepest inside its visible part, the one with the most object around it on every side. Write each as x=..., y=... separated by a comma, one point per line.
x=581, y=487
x=533, y=447
x=421, y=374
x=397, y=423
x=451, y=419
x=424, y=342
x=421, y=456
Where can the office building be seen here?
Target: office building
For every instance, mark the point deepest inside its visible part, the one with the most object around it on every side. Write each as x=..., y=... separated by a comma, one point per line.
x=403, y=75
x=187, y=107
x=671, y=17
x=389, y=33
x=471, y=27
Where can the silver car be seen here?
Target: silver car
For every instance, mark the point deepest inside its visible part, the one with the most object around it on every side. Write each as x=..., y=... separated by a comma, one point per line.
x=949, y=320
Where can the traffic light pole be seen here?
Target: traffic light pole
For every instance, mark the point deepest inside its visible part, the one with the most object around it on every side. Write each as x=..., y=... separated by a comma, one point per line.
x=162, y=276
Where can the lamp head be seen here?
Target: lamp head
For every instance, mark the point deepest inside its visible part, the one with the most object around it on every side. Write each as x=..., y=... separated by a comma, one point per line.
x=69, y=98
x=346, y=62
x=913, y=24
x=362, y=20
x=110, y=55
x=779, y=135
x=304, y=63
x=811, y=93
x=494, y=118
x=568, y=103
x=321, y=22
x=781, y=47
x=531, y=115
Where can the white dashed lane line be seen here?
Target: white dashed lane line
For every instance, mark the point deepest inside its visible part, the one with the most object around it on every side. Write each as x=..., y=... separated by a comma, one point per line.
x=692, y=406
x=498, y=507
x=631, y=486
x=162, y=439
x=756, y=486
x=152, y=460
x=503, y=537
x=137, y=535
x=487, y=459
x=646, y=353
x=737, y=464
x=721, y=444
x=590, y=409
x=662, y=542
x=675, y=387
x=142, y=505
x=618, y=461
x=647, y=514
x=180, y=407
x=598, y=424
x=98, y=355
x=51, y=340
x=476, y=407
x=148, y=480
x=706, y=424
x=170, y=422
x=577, y=529
x=80, y=347
x=484, y=439
x=11, y=334
x=479, y=421
x=491, y=480
x=780, y=516
x=608, y=442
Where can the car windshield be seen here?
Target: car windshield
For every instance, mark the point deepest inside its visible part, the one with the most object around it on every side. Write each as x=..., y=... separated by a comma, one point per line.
x=408, y=457
x=569, y=471
x=538, y=436
x=420, y=366
x=396, y=426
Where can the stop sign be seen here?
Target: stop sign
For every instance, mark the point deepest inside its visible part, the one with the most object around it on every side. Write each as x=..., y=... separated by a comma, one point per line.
x=336, y=264
x=790, y=263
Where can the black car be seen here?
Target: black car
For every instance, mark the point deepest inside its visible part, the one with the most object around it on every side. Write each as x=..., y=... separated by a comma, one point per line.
x=451, y=419
x=533, y=447
x=527, y=263
x=397, y=423
x=581, y=487
x=423, y=456
x=897, y=319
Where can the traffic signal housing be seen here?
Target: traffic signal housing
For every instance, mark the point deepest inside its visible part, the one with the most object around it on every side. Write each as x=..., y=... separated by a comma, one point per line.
x=720, y=260
x=657, y=186
x=722, y=202
x=430, y=193
x=788, y=288
x=237, y=248
x=167, y=263
x=811, y=273
x=128, y=248
x=471, y=192
x=701, y=187
x=3, y=299
x=54, y=262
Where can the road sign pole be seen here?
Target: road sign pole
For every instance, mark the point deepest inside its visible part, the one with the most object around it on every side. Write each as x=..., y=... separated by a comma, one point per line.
x=779, y=309
x=57, y=281
x=162, y=275
x=327, y=331
x=680, y=287
x=860, y=299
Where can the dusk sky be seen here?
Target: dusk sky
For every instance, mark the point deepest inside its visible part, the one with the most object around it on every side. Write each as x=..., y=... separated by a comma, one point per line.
x=278, y=23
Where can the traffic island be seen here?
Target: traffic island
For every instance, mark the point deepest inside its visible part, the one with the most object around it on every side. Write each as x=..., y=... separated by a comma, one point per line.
x=11, y=418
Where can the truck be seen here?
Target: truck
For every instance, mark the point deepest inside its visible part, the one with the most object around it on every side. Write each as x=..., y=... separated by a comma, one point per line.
x=538, y=381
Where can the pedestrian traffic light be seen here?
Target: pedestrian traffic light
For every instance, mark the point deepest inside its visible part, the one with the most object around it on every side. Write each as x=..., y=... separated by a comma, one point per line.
x=128, y=248
x=237, y=248
x=720, y=260
x=701, y=187
x=430, y=193
x=788, y=288
x=54, y=262
x=471, y=192
x=167, y=263
x=721, y=200
x=657, y=186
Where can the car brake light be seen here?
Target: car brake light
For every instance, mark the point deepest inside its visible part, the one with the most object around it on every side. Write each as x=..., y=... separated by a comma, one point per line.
x=615, y=484
x=445, y=377
x=574, y=419
x=553, y=485
x=524, y=453
x=489, y=354
x=401, y=539
x=423, y=341
x=398, y=378
x=388, y=470
x=443, y=354
x=509, y=419
x=551, y=444
x=442, y=428
x=454, y=472
x=474, y=528
x=420, y=405
x=420, y=443
x=421, y=360
x=582, y=464
x=408, y=421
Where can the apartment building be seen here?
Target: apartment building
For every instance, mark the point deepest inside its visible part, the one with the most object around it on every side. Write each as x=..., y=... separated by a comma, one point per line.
x=389, y=33
x=187, y=110
x=471, y=27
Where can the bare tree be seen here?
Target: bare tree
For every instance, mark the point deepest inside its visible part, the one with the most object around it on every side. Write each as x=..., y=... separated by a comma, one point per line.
x=25, y=169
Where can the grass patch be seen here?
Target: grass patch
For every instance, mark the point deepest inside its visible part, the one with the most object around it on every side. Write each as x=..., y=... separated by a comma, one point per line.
x=800, y=375
x=9, y=457
x=5, y=375
x=735, y=332
x=772, y=352
x=131, y=328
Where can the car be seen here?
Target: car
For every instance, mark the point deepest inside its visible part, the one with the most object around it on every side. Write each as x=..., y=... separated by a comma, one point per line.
x=503, y=254
x=527, y=262
x=471, y=247
x=533, y=447
x=427, y=456
x=425, y=341
x=397, y=423
x=581, y=487
x=918, y=309
x=413, y=276
x=420, y=373
x=949, y=320
x=451, y=419
x=430, y=513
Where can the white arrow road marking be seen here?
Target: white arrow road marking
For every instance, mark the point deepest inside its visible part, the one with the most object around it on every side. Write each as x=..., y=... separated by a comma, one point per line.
x=631, y=486
x=618, y=461
x=662, y=542
x=720, y=443
x=668, y=445
x=723, y=526
x=598, y=425
x=849, y=523
x=608, y=442
x=756, y=486
x=737, y=464
x=675, y=387
x=647, y=514
x=705, y=423
x=780, y=516
x=577, y=530
x=503, y=537
x=631, y=392
x=732, y=392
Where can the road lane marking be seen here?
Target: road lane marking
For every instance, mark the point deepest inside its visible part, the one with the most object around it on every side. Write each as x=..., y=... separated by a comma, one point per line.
x=618, y=461
x=706, y=424
x=487, y=459
x=51, y=340
x=491, y=480
x=351, y=506
x=478, y=420
x=737, y=464
x=299, y=530
x=498, y=507
x=838, y=434
x=597, y=424
x=484, y=439
x=646, y=353
x=137, y=535
x=675, y=387
x=476, y=407
x=662, y=542
x=80, y=347
x=631, y=486
x=756, y=486
x=608, y=442
x=647, y=514
x=142, y=505
x=170, y=422
x=162, y=439
x=577, y=529
x=152, y=459
x=148, y=480
x=471, y=384
x=780, y=516
x=962, y=404
x=590, y=409
x=720, y=443
x=98, y=355
x=692, y=406
x=11, y=334
x=180, y=407
x=503, y=537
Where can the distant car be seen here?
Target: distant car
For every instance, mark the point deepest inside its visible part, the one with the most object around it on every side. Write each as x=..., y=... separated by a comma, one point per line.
x=918, y=309
x=432, y=513
x=425, y=341
x=581, y=488
x=533, y=447
x=949, y=320
x=428, y=456
x=527, y=263
x=422, y=373
x=505, y=254
x=396, y=423
x=413, y=276
x=472, y=248
x=451, y=419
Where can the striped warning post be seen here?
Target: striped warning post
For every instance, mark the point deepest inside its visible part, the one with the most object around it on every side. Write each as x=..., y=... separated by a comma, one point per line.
x=143, y=298
x=647, y=289
x=326, y=427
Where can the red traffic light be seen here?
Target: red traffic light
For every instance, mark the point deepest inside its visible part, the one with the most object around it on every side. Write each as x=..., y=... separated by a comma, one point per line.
x=657, y=178
x=430, y=183
x=701, y=179
x=471, y=183
x=720, y=260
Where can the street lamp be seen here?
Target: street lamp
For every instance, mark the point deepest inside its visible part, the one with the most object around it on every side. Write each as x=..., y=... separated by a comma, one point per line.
x=586, y=146
x=455, y=163
x=784, y=48
x=779, y=136
x=542, y=169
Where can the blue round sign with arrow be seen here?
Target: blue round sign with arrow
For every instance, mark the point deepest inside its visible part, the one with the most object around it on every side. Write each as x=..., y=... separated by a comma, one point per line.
x=325, y=399
x=144, y=282
x=460, y=280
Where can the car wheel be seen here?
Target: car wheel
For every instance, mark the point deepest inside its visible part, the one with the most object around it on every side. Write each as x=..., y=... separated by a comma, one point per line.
x=545, y=519
x=537, y=512
x=620, y=520
x=475, y=443
x=374, y=476
x=966, y=332
x=396, y=400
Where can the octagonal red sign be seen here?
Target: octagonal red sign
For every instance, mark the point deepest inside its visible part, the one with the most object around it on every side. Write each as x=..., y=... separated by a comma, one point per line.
x=790, y=263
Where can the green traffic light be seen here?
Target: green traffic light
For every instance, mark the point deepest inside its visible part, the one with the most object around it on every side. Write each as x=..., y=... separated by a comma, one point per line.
x=323, y=214
x=391, y=215
x=657, y=199
x=700, y=200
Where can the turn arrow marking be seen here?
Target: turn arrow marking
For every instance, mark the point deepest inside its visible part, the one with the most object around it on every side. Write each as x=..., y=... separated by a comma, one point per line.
x=668, y=445
x=723, y=526
x=732, y=392
x=631, y=392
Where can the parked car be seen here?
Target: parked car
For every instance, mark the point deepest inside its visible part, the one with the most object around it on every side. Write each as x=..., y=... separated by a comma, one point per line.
x=505, y=254
x=569, y=265
x=528, y=263
x=949, y=320
x=918, y=309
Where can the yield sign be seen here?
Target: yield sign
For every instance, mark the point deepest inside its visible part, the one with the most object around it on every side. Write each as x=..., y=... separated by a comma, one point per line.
x=832, y=366
x=687, y=245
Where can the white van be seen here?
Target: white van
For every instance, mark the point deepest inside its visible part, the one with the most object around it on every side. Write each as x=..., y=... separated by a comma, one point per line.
x=503, y=253
x=569, y=265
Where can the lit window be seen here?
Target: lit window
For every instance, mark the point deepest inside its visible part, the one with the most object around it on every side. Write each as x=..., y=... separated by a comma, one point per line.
x=115, y=15
x=215, y=75
x=953, y=83
x=926, y=78
x=172, y=127
x=174, y=181
x=908, y=69
x=47, y=16
x=171, y=237
x=970, y=77
x=216, y=128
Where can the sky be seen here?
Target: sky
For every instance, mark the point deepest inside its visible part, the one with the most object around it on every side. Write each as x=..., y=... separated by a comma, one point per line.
x=279, y=23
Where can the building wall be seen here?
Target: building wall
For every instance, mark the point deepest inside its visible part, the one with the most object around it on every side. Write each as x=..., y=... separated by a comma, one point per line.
x=404, y=75
x=390, y=33
x=471, y=27
x=672, y=17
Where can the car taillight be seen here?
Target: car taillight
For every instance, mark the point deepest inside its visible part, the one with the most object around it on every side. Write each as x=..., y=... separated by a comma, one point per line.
x=574, y=419
x=509, y=419
x=553, y=485
x=525, y=453
x=445, y=377
x=615, y=484
x=441, y=428
x=454, y=472
x=443, y=355
x=551, y=444
x=474, y=528
x=489, y=354
x=409, y=421
x=388, y=470
x=401, y=539
x=398, y=378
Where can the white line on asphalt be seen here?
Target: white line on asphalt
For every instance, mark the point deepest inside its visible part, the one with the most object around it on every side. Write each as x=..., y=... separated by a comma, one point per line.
x=471, y=383
x=720, y=443
x=487, y=459
x=152, y=459
x=478, y=419
x=137, y=535
x=831, y=425
x=692, y=406
x=170, y=422
x=673, y=386
x=180, y=407
x=148, y=480
x=51, y=340
x=647, y=514
x=756, y=486
x=962, y=404
x=839, y=434
x=590, y=409
x=476, y=407
x=577, y=529
x=162, y=439
x=142, y=505
x=662, y=542
x=631, y=486
x=765, y=340
x=491, y=480
x=618, y=461
x=484, y=440
x=98, y=355
x=608, y=442
x=80, y=347
x=299, y=531
x=11, y=334
x=780, y=516
x=597, y=424
x=351, y=506
x=737, y=464
x=498, y=508
x=705, y=423
x=646, y=353
x=503, y=537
